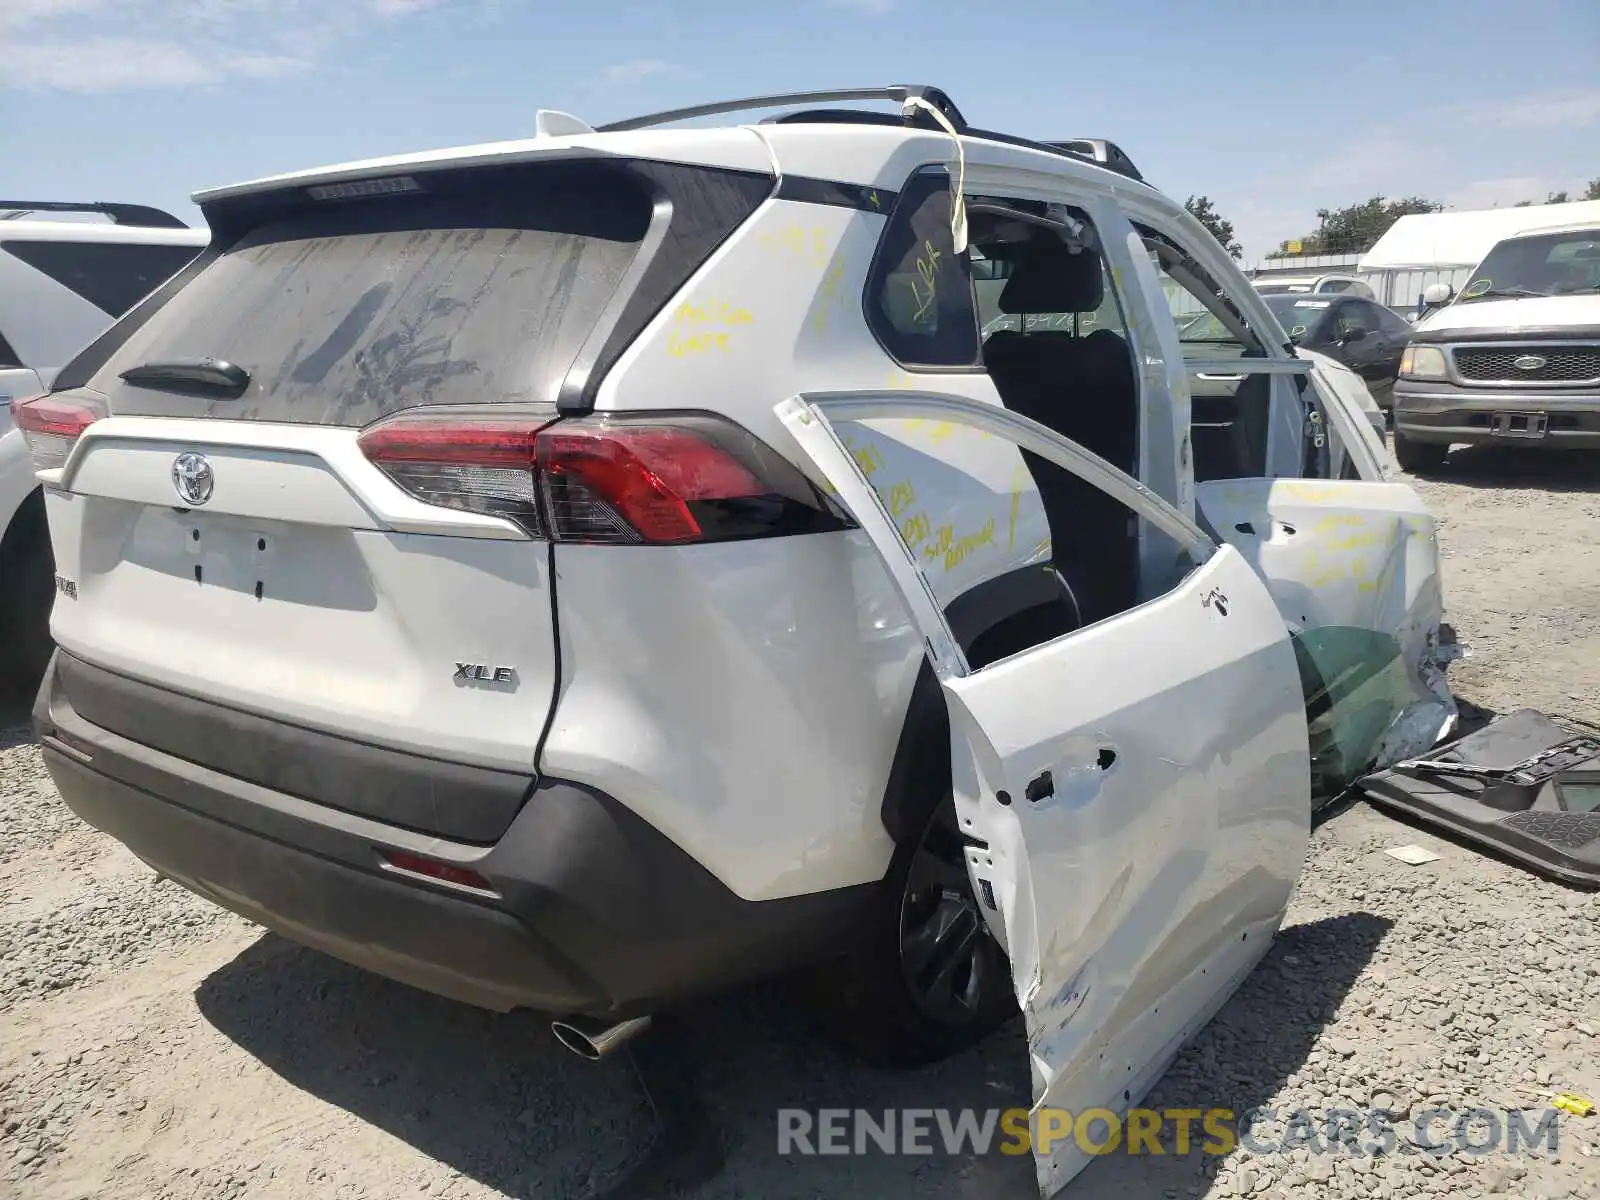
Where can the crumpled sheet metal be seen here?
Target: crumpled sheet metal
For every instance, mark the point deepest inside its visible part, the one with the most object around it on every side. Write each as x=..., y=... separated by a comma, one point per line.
x=1362, y=559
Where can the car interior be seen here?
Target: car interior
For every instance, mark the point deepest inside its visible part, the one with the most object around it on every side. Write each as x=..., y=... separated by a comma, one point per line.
x=1228, y=414
x=1056, y=358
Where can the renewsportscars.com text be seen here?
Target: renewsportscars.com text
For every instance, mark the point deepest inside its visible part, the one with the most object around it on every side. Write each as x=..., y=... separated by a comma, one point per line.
x=1179, y=1131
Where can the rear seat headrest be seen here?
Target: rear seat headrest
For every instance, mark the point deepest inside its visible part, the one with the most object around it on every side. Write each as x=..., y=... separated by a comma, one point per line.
x=1052, y=279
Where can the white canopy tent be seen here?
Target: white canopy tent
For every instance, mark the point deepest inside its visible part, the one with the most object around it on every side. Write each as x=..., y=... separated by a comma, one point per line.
x=1443, y=247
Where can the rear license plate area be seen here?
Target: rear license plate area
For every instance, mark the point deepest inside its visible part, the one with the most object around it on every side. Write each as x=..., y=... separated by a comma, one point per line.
x=228, y=553
x=1520, y=424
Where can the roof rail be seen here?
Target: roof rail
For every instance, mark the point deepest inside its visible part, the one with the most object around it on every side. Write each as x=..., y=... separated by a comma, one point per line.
x=899, y=92
x=120, y=214
x=1096, y=150
x=1107, y=154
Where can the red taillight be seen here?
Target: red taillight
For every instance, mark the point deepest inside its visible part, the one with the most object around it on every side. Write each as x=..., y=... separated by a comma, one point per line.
x=483, y=465
x=646, y=475
x=51, y=425
x=415, y=864
x=663, y=480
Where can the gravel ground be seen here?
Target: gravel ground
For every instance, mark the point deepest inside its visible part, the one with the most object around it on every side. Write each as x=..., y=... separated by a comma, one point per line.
x=154, y=1047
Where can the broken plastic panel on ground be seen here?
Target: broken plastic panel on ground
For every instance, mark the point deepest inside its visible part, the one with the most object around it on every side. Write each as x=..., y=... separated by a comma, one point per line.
x=1526, y=786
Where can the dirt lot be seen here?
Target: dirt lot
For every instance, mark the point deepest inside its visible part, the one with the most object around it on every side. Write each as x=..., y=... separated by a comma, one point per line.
x=151, y=1046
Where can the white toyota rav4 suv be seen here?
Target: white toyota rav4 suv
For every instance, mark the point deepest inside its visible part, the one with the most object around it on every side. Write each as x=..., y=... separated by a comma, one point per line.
x=587, y=571
x=62, y=281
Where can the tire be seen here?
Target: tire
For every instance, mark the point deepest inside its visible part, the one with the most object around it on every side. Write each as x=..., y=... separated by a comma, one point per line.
x=27, y=589
x=929, y=980
x=1418, y=458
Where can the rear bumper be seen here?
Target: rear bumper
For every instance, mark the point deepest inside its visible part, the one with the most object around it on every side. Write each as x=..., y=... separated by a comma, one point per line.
x=1441, y=412
x=592, y=912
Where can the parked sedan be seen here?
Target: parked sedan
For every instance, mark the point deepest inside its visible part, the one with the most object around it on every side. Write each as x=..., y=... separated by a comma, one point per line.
x=1360, y=333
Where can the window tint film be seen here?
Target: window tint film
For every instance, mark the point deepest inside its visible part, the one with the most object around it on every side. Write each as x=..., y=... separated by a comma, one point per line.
x=111, y=276
x=474, y=291
x=919, y=296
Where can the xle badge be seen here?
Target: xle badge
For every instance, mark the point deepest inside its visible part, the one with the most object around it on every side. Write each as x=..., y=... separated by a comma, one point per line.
x=479, y=673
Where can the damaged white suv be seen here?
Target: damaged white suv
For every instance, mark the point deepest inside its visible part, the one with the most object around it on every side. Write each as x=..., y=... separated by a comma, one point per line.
x=584, y=572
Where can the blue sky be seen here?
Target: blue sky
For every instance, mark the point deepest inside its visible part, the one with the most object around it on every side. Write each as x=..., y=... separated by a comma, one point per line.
x=1272, y=109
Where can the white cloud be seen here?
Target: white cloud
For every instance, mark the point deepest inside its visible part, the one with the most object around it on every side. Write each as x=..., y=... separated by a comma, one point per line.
x=1431, y=152
x=399, y=8
x=1568, y=109
x=1499, y=193
x=124, y=64
x=14, y=14
x=639, y=69
x=100, y=46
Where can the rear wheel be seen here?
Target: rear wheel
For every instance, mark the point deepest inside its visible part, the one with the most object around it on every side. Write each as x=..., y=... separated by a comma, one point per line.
x=1418, y=457
x=27, y=586
x=930, y=980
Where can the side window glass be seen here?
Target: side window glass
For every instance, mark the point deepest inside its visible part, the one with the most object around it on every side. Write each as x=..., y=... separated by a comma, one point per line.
x=919, y=293
x=1392, y=323
x=8, y=356
x=1351, y=319
x=111, y=276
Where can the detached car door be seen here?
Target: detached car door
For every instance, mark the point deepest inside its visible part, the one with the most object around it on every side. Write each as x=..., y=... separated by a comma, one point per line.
x=1352, y=561
x=1354, y=568
x=1133, y=795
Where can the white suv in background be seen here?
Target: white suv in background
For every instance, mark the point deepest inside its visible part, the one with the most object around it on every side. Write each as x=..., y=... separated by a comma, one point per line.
x=61, y=283
x=584, y=572
x=1313, y=285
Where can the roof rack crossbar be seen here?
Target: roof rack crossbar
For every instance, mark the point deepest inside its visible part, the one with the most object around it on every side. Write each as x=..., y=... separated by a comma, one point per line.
x=120, y=214
x=899, y=93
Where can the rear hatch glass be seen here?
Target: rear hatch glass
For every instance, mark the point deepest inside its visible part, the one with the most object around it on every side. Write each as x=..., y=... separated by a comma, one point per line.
x=468, y=287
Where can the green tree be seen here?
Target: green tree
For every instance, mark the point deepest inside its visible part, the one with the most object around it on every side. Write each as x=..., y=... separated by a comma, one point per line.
x=1355, y=228
x=1201, y=208
x=1592, y=192
x=1561, y=197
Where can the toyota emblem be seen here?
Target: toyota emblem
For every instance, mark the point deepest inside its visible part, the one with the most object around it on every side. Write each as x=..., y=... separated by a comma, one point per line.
x=192, y=478
x=1529, y=362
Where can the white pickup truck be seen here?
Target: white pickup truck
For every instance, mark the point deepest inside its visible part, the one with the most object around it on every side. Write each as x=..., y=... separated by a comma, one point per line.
x=1514, y=359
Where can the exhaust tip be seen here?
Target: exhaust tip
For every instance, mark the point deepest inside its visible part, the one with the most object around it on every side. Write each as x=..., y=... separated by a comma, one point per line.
x=592, y=1042
x=576, y=1040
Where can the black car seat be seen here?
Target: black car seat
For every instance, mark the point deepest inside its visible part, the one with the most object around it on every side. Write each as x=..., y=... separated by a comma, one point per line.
x=1081, y=387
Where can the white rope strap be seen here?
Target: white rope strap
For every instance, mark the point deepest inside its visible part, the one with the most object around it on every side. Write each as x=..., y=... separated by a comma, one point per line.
x=958, y=202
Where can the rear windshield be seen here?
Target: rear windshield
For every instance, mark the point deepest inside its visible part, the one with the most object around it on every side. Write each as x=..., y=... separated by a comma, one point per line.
x=464, y=289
